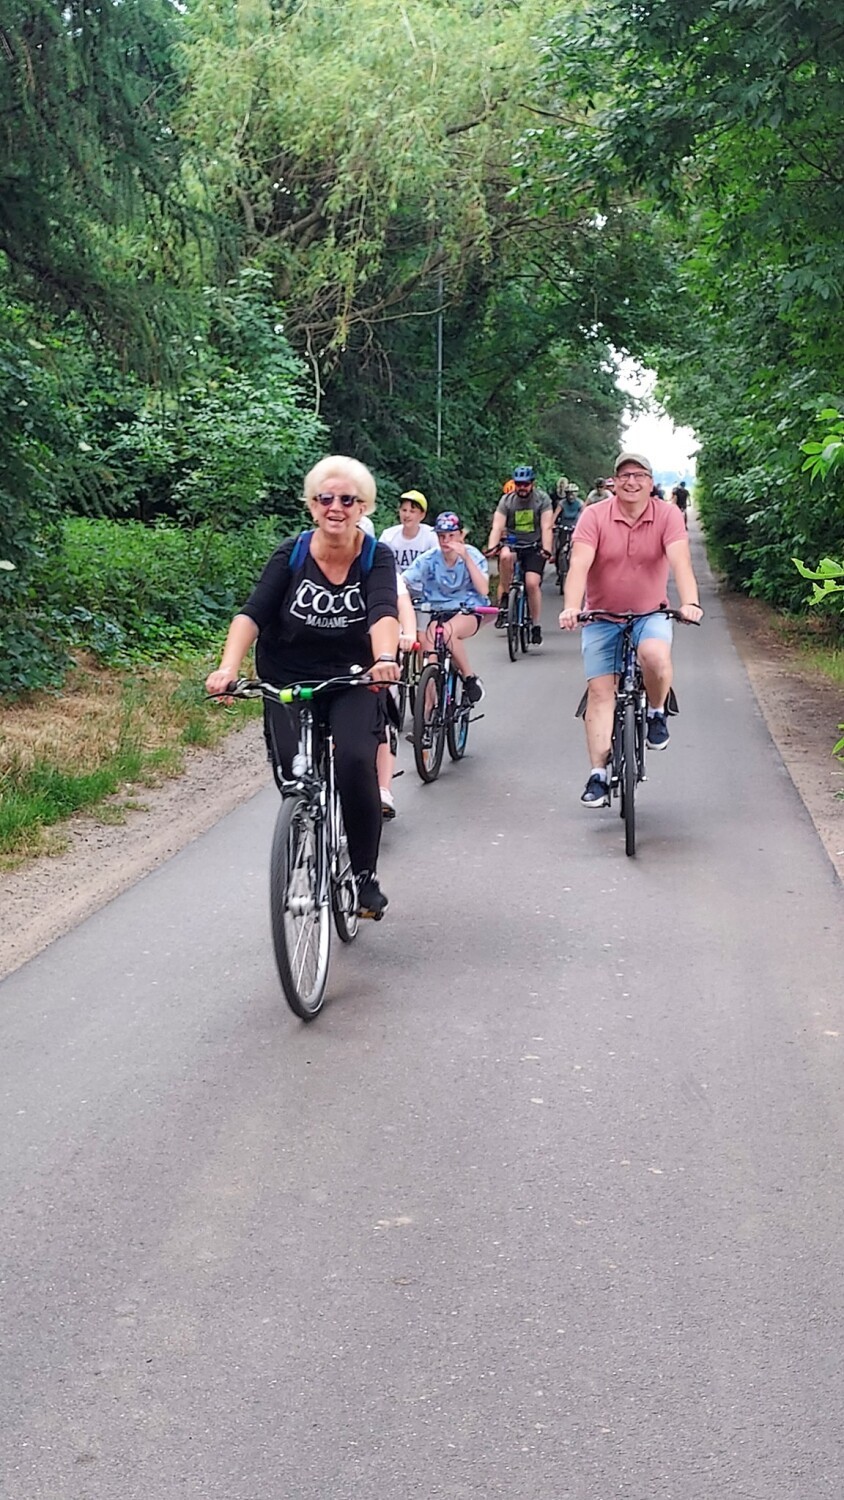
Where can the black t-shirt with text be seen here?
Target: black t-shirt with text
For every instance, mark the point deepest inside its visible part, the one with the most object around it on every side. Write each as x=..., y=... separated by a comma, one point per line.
x=310, y=628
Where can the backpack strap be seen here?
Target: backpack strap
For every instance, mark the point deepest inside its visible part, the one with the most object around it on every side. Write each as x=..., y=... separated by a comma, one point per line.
x=367, y=554
x=303, y=542
x=300, y=550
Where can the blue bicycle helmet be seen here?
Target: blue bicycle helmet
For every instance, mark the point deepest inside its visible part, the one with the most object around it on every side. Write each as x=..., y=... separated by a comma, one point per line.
x=523, y=474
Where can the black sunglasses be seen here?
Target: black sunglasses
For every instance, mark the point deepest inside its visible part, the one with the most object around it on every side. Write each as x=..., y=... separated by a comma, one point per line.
x=345, y=500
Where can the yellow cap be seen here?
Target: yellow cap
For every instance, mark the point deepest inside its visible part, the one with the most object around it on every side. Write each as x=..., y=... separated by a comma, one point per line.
x=418, y=499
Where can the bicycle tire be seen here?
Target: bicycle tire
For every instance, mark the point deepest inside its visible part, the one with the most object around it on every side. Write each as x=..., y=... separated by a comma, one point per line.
x=300, y=921
x=630, y=776
x=457, y=724
x=428, y=727
x=562, y=567
x=513, y=620
x=401, y=701
x=524, y=625
x=344, y=888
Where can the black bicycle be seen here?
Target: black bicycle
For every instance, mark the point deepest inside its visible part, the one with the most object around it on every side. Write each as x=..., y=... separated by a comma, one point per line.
x=563, y=533
x=442, y=712
x=518, y=610
x=630, y=716
x=408, y=683
x=311, y=878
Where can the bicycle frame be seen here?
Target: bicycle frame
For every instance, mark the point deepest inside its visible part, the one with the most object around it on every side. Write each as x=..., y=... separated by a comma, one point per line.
x=630, y=688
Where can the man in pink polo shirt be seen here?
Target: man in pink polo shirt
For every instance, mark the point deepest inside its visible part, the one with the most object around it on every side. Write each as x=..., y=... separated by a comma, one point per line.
x=620, y=557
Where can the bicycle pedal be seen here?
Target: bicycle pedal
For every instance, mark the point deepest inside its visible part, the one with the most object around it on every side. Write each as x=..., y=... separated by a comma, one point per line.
x=475, y=717
x=397, y=774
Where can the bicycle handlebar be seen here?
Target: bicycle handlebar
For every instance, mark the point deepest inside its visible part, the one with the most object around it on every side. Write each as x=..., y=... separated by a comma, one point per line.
x=627, y=617
x=304, y=692
x=460, y=609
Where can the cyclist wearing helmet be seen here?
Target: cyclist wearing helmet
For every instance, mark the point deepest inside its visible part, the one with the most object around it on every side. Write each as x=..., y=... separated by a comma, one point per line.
x=526, y=519
x=452, y=578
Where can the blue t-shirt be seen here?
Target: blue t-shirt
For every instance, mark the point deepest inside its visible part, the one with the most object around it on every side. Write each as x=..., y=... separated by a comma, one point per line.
x=442, y=587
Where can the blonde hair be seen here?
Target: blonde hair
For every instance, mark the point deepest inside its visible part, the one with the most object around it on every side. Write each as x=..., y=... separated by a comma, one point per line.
x=333, y=467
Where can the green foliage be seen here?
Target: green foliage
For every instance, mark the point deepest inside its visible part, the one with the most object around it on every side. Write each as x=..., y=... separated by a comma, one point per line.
x=151, y=591
x=825, y=448
x=723, y=122
x=229, y=443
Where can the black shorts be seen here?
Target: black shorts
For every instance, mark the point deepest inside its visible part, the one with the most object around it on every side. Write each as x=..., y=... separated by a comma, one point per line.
x=532, y=558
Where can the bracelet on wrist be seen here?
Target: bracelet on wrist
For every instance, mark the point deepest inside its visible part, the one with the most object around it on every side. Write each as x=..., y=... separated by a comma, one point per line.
x=390, y=659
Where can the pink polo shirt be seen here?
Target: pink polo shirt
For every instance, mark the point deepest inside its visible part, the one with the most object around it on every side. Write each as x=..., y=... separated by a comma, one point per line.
x=630, y=569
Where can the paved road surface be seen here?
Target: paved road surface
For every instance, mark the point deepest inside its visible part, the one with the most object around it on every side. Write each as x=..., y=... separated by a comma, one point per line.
x=547, y=1205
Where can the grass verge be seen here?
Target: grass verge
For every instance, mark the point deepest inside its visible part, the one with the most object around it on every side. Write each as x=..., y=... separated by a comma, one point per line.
x=86, y=747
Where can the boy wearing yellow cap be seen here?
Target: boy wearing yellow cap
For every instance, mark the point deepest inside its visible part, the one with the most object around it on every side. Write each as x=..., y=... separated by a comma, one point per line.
x=409, y=540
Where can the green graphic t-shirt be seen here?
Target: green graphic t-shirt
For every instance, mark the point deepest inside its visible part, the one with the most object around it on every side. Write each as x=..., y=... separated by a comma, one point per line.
x=522, y=514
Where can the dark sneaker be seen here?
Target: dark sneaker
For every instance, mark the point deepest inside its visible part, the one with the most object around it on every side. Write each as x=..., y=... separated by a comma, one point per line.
x=501, y=618
x=658, y=735
x=371, y=899
x=536, y=635
x=597, y=793
x=473, y=689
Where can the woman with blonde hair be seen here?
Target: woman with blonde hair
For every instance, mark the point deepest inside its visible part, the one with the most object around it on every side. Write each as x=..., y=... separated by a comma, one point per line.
x=324, y=603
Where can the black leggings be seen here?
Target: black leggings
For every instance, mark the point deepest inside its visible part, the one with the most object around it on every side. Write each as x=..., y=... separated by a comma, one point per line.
x=356, y=720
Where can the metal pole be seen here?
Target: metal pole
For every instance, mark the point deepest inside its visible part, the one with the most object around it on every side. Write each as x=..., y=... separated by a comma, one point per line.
x=440, y=364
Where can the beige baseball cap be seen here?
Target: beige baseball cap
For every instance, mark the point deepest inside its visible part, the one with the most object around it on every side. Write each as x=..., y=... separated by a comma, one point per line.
x=634, y=458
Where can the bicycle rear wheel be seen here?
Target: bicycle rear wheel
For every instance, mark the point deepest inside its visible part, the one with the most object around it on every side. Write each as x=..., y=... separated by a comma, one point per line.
x=513, y=620
x=457, y=727
x=300, y=920
x=428, y=728
x=344, y=889
x=629, y=778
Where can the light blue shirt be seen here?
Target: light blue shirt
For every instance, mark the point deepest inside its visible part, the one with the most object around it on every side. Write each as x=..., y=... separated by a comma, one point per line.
x=442, y=587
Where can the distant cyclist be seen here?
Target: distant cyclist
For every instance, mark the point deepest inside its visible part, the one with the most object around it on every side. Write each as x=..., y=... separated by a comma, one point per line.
x=453, y=578
x=599, y=491
x=527, y=517
x=681, y=500
x=567, y=504
x=413, y=537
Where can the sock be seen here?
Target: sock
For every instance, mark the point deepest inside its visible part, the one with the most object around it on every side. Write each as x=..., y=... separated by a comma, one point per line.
x=653, y=711
x=599, y=771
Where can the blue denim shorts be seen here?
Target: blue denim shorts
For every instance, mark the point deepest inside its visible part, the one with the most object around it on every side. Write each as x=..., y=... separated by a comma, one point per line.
x=601, y=645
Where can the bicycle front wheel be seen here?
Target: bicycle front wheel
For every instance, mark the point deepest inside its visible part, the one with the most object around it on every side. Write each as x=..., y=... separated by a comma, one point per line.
x=300, y=920
x=513, y=620
x=457, y=728
x=404, y=691
x=428, y=728
x=562, y=567
x=629, y=775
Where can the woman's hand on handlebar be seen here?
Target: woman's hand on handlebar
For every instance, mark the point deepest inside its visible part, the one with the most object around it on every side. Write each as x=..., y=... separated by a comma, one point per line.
x=569, y=619
x=217, y=682
x=384, y=672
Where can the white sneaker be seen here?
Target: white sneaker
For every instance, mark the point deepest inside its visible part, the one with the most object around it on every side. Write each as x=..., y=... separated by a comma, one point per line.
x=388, y=805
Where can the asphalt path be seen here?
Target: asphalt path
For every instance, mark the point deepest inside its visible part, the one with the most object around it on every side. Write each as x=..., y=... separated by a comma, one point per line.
x=548, y=1204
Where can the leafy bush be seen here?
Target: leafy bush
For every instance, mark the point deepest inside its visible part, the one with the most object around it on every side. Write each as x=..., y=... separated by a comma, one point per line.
x=128, y=591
